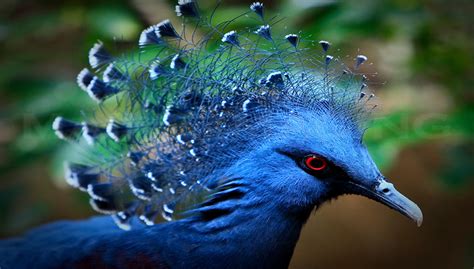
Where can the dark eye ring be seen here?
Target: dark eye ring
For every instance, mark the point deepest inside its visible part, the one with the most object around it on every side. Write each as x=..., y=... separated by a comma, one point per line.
x=315, y=163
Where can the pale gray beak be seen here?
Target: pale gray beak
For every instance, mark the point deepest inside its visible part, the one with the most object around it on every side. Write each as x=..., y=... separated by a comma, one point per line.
x=384, y=192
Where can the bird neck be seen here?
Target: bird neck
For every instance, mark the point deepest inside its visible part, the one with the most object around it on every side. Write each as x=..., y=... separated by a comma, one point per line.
x=256, y=227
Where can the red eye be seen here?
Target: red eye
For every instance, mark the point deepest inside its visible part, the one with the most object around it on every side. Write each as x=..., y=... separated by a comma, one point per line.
x=315, y=163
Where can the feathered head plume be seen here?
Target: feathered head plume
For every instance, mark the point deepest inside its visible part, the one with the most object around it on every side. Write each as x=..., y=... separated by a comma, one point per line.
x=181, y=109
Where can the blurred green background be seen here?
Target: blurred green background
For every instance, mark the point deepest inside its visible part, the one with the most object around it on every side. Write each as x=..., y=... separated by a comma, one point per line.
x=422, y=136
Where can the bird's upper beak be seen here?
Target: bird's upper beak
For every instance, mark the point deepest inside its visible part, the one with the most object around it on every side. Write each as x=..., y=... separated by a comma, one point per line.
x=385, y=193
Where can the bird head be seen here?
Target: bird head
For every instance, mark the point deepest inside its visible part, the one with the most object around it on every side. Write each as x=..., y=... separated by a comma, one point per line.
x=262, y=108
x=314, y=156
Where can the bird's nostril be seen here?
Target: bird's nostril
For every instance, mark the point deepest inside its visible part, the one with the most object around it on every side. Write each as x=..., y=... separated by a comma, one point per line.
x=384, y=187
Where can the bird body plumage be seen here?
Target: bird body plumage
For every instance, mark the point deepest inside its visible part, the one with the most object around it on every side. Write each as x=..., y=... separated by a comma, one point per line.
x=212, y=140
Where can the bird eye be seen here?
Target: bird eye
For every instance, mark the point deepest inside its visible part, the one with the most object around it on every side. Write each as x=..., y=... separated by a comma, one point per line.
x=315, y=163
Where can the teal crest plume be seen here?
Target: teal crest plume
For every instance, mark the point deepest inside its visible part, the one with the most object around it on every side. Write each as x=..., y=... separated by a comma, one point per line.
x=182, y=108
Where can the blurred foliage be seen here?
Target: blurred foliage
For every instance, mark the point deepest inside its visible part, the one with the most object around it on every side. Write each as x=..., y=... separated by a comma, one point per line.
x=45, y=44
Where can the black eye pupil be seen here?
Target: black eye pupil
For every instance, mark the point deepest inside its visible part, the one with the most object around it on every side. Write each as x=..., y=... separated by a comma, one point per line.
x=316, y=163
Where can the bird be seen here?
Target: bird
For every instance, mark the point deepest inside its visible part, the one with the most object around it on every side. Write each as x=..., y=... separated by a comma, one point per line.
x=209, y=152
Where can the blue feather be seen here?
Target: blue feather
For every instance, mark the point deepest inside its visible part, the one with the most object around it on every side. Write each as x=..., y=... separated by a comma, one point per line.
x=214, y=141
